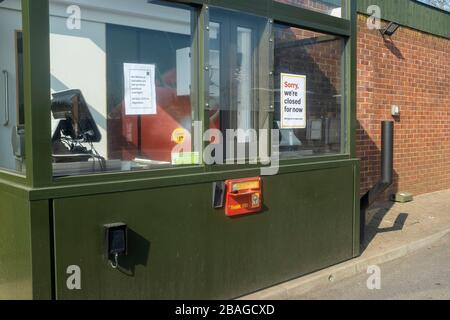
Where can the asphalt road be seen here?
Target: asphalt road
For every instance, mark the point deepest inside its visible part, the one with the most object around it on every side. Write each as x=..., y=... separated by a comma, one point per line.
x=424, y=275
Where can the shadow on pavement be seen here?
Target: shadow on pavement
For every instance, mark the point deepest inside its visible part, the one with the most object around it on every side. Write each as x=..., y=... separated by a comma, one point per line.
x=374, y=227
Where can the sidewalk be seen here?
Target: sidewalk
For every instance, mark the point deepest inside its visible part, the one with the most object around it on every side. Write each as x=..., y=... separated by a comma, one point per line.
x=395, y=231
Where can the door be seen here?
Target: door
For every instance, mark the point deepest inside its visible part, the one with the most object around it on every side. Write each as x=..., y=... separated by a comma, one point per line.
x=233, y=60
x=235, y=40
x=10, y=60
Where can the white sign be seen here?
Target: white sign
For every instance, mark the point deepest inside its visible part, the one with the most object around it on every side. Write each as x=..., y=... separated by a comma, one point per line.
x=140, y=90
x=293, y=101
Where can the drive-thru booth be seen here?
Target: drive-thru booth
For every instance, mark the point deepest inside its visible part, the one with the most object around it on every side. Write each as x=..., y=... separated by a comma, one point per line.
x=119, y=178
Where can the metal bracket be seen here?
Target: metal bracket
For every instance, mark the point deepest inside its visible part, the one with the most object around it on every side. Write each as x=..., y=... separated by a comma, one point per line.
x=6, y=77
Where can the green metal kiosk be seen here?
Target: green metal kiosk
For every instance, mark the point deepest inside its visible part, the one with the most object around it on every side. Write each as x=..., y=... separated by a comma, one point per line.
x=118, y=176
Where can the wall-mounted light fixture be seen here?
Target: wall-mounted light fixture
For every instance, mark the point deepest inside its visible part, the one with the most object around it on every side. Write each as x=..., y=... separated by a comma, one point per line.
x=395, y=111
x=390, y=29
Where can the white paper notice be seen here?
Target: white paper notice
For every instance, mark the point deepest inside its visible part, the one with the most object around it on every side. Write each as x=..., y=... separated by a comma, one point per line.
x=293, y=101
x=140, y=91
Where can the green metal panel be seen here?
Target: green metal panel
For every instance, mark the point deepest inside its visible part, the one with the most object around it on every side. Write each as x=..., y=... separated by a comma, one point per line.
x=18, y=190
x=90, y=187
x=15, y=247
x=412, y=14
x=259, y=7
x=287, y=13
x=13, y=177
x=180, y=248
x=309, y=19
x=36, y=41
x=25, y=261
x=356, y=215
x=351, y=90
x=351, y=79
x=41, y=249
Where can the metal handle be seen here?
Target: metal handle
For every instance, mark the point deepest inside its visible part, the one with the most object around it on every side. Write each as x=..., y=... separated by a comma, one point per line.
x=115, y=264
x=5, y=75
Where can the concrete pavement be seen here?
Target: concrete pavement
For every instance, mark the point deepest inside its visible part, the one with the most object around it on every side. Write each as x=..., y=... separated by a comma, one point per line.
x=395, y=231
x=423, y=275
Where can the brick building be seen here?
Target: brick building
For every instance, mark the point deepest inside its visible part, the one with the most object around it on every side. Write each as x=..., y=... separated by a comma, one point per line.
x=411, y=69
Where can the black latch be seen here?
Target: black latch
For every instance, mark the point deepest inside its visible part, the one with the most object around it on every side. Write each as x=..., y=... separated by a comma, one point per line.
x=116, y=242
x=218, y=194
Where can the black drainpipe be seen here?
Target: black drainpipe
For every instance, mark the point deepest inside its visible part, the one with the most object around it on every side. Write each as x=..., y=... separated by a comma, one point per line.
x=387, y=170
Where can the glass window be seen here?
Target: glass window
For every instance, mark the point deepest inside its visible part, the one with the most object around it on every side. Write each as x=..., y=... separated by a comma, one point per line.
x=239, y=74
x=330, y=7
x=308, y=92
x=12, y=140
x=121, y=85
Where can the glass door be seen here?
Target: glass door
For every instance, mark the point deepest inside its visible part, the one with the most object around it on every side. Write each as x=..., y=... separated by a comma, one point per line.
x=234, y=41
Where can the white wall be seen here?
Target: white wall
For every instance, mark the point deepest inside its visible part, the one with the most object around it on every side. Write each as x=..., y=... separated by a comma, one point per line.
x=78, y=61
x=10, y=22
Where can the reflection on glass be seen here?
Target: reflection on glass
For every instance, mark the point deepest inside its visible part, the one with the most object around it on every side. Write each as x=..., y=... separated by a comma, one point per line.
x=215, y=74
x=330, y=7
x=121, y=87
x=318, y=58
x=244, y=78
x=235, y=40
x=12, y=141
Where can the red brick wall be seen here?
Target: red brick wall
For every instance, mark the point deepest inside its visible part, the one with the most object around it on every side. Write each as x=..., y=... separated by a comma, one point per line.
x=413, y=72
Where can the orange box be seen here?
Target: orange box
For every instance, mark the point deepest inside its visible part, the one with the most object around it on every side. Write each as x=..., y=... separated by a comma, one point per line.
x=243, y=196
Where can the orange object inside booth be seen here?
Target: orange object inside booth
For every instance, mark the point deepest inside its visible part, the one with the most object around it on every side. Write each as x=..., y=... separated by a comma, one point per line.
x=150, y=136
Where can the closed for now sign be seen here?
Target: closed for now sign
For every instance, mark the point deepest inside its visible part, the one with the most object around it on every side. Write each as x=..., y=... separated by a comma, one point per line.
x=293, y=101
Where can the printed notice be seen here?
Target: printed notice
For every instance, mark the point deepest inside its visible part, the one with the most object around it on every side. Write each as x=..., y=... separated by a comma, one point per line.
x=293, y=101
x=140, y=91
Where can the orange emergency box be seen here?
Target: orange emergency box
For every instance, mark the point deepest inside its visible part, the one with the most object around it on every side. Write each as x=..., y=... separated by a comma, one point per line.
x=243, y=196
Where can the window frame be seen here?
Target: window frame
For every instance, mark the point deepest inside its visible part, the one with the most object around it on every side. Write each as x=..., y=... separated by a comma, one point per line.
x=18, y=35
x=195, y=93
x=344, y=4
x=343, y=106
x=37, y=100
x=9, y=175
x=262, y=101
x=231, y=94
